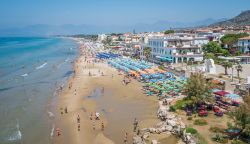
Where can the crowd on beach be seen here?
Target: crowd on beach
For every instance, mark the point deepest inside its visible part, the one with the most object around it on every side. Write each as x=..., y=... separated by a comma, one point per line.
x=95, y=117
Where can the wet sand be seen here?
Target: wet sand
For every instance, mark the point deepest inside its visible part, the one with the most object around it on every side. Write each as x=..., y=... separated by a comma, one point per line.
x=118, y=105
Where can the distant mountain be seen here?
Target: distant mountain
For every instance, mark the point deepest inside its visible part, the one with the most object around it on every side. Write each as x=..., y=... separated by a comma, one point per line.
x=241, y=20
x=48, y=30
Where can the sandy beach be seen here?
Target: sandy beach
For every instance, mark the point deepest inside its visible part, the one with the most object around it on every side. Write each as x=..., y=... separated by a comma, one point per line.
x=102, y=92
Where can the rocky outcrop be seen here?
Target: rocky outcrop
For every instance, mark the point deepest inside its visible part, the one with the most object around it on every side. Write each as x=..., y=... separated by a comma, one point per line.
x=138, y=140
x=170, y=123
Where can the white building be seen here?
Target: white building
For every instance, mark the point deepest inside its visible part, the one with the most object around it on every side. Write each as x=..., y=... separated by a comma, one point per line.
x=244, y=44
x=101, y=37
x=175, y=48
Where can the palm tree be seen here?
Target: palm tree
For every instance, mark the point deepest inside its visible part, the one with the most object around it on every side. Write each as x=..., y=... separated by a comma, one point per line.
x=226, y=65
x=147, y=52
x=239, y=69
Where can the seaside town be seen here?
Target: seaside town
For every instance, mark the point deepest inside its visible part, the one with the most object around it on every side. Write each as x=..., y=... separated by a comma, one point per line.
x=197, y=81
x=125, y=72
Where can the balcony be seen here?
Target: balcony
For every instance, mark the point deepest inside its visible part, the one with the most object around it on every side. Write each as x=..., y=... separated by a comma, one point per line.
x=188, y=54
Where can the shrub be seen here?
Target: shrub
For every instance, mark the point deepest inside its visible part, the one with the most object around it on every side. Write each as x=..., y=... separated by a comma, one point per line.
x=200, y=122
x=216, y=129
x=189, y=118
x=172, y=109
x=219, y=138
x=201, y=140
x=191, y=130
x=237, y=142
x=180, y=104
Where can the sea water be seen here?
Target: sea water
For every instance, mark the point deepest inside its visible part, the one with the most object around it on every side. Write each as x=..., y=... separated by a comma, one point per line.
x=31, y=69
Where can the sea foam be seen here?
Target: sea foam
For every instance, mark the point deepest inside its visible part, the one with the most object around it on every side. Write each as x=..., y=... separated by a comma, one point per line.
x=41, y=66
x=17, y=135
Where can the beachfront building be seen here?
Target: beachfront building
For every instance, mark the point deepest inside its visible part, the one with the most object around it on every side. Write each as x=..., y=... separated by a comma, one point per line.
x=175, y=48
x=102, y=37
x=244, y=44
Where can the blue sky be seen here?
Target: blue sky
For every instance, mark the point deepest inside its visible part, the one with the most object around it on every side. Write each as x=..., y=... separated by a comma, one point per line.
x=18, y=13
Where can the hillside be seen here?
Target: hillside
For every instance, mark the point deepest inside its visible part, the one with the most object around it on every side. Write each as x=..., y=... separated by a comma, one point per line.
x=241, y=20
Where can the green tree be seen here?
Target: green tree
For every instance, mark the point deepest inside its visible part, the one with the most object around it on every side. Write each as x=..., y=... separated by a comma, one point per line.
x=197, y=88
x=241, y=117
x=225, y=52
x=231, y=39
x=168, y=31
x=210, y=56
x=226, y=65
x=212, y=47
x=147, y=52
x=239, y=69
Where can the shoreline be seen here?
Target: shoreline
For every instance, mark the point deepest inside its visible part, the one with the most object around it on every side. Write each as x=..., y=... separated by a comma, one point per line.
x=110, y=105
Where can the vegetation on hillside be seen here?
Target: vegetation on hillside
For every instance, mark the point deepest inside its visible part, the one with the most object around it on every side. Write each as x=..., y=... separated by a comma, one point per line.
x=168, y=31
x=242, y=19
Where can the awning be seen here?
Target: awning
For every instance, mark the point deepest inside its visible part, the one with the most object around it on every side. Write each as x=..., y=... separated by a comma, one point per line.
x=164, y=58
x=221, y=93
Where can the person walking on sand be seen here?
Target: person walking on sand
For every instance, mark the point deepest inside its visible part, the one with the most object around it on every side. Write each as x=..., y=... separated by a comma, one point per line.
x=93, y=125
x=78, y=119
x=79, y=126
x=97, y=116
x=58, y=131
x=91, y=116
x=66, y=110
x=125, y=138
x=61, y=109
x=138, y=131
x=135, y=124
x=102, y=126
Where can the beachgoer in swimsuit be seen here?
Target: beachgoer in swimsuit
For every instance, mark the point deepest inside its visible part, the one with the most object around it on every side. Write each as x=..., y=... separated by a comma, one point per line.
x=138, y=131
x=93, y=125
x=58, y=131
x=79, y=126
x=102, y=126
x=65, y=110
x=135, y=124
x=126, y=138
x=78, y=119
x=91, y=116
x=97, y=116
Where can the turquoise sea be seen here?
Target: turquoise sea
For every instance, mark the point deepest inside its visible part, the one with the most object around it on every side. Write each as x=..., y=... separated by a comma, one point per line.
x=31, y=69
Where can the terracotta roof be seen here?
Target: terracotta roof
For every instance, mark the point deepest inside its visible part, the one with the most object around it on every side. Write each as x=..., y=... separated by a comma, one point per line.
x=245, y=38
